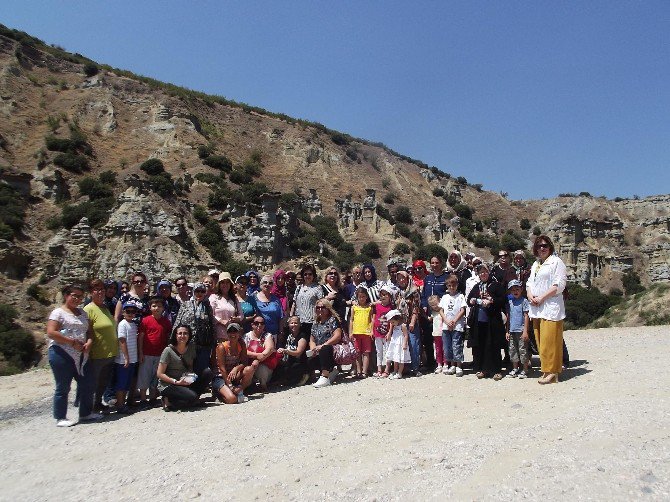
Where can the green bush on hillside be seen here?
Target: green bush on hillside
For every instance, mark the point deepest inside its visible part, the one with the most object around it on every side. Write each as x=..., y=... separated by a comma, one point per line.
x=403, y=214
x=371, y=250
x=72, y=162
x=152, y=167
x=220, y=162
x=12, y=211
x=16, y=345
x=586, y=305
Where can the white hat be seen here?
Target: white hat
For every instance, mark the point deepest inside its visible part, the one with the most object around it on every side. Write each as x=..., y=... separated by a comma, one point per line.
x=391, y=314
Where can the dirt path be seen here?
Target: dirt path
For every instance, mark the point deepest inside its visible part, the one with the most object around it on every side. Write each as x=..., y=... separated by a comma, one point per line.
x=602, y=433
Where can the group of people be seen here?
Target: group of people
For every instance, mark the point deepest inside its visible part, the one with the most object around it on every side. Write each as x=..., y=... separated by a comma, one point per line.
x=131, y=345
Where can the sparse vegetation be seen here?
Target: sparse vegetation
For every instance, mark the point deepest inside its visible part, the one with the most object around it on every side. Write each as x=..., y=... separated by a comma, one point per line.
x=370, y=250
x=403, y=214
x=152, y=167
x=401, y=249
x=12, y=212
x=17, y=346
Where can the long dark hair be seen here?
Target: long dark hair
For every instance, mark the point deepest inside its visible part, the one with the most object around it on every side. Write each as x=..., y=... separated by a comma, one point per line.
x=173, y=335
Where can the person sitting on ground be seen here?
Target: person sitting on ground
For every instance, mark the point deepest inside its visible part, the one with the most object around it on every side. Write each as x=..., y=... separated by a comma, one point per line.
x=260, y=346
x=178, y=385
x=234, y=370
x=326, y=333
x=294, y=361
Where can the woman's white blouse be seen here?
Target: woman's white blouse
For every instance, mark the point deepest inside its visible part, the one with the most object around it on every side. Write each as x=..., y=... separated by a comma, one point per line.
x=542, y=277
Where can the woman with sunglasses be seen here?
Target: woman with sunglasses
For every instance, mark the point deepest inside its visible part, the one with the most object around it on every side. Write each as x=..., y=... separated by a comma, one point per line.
x=138, y=294
x=260, y=346
x=198, y=316
x=225, y=307
x=269, y=307
x=326, y=333
x=183, y=290
x=547, y=280
x=70, y=340
x=306, y=296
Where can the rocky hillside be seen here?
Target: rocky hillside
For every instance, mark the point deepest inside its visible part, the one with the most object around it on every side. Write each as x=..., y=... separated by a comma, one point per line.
x=236, y=183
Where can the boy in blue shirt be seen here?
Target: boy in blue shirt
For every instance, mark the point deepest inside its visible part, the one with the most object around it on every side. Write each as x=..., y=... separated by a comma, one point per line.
x=517, y=329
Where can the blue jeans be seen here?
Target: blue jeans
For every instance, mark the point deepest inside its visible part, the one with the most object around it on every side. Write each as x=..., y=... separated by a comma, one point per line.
x=202, y=359
x=415, y=347
x=452, y=342
x=64, y=371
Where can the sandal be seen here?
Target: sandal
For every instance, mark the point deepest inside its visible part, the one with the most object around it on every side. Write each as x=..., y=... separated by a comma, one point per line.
x=497, y=377
x=377, y=374
x=384, y=375
x=480, y=375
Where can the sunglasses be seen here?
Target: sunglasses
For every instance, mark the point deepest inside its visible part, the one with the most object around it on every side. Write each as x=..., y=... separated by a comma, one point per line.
x=319, y=307
x=141, y=281
x=331, y=273
x=183, y=285
x=258, y=323
x=543, y=246
x=503, y=255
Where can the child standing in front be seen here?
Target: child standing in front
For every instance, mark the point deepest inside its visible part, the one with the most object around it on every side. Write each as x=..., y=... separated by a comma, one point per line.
x=381, y=328
x=154, y=332
x=517, y=329
x=397, y=351
x=126, y=361
x=453, y=306
x=360, y=327
x=439, y=321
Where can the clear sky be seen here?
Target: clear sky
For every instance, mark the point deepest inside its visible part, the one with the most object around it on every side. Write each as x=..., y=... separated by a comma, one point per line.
x=532, y=98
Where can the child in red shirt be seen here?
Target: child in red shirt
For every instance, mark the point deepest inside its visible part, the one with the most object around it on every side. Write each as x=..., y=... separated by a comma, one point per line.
x=153, y=336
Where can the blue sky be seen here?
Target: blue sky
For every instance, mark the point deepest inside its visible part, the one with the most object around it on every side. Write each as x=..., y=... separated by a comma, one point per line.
x=532, y=98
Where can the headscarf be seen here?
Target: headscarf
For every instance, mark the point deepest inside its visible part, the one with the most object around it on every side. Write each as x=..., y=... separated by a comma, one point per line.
x=461, y=263
x=372, y=282
x=252, y=289
x=411, y=287
x=277, y=290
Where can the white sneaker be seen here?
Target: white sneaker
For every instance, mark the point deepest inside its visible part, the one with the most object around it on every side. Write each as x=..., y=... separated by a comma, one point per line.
x=450, y=371
x=522, y=374
x=241, y=398
x=438, y=370
x=398, y=376
x=333, y=375
x=459, y=371
x=513, y=373
x=110, y=403
x=91, y=417
x=64, y=423
x=322, y=382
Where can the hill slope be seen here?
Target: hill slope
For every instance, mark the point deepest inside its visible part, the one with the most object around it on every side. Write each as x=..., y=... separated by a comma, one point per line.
x=239, y=183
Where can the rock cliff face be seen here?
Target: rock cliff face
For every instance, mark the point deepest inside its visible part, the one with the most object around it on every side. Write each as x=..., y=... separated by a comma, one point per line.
x=127, y=121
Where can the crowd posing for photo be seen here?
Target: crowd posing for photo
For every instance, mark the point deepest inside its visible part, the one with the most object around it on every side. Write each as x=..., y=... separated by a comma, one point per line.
x=133, y=345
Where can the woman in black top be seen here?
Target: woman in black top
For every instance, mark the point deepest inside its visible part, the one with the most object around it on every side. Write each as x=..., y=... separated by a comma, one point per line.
x=487, y=330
